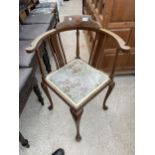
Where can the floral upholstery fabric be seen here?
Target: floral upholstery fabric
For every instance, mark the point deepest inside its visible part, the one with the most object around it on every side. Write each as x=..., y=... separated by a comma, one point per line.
x=77, y=81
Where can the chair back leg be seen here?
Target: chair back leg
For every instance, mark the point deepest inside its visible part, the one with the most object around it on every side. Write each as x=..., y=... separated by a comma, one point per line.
x=38, y=94
x=110, y=88
x=45, y=88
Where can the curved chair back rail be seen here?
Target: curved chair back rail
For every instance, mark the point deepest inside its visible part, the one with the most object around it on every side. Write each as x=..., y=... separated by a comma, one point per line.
x=121, y=43
x=77, y=23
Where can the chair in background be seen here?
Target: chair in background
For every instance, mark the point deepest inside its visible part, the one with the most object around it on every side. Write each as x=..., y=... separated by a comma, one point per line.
x=52, y=5
x=30, y=32
x=37, y=21
x=27, y=83
x=46, y=8
x=42, y=13
x=30, y=27
x=76, y=82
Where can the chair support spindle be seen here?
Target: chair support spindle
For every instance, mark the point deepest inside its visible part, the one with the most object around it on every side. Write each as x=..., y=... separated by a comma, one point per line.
x=53, y=53
x=55, y=42
x=40, y=63
x=95, y=54
x=114, y=64
x=93, y=47
x=77, y=44
x=63, y=52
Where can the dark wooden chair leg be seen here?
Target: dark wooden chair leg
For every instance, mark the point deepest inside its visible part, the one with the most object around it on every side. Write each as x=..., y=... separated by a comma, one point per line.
x=23, y=141
x=56, y=12
x=46, y=61
x=45, y=57
x=77, y=117
x=111, y=86
x=45, y=88
x=59, y=151
x=38, y=93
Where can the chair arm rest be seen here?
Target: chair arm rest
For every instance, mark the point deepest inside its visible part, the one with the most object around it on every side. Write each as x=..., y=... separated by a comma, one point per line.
x=121, y=43
x=35, y=43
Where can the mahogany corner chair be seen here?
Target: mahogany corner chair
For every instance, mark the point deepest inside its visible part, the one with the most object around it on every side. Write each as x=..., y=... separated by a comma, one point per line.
x=76, y=82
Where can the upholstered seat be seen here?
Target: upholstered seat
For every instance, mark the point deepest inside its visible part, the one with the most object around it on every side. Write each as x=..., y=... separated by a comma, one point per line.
x=30, y=32
x=25, y=59
x=46, y=5
x=76, y=82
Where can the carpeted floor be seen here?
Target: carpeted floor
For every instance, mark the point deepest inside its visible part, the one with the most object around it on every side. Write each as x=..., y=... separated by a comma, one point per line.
x=103, y=132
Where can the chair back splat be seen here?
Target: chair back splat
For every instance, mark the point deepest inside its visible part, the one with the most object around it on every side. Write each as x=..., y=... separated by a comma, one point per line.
x=76, y=82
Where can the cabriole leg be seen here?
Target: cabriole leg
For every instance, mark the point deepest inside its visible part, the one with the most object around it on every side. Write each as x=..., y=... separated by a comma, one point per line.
x=111, y=86
x=45, y=88
x=38, y=93
x=23, y=141
x=77, y=117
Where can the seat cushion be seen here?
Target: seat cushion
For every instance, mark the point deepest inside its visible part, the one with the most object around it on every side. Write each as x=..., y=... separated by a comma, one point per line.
x=39, y=19
x=46, y=5
x=42, y=11
x=76, y=82
x=24, y=74
x=30, y=32
x=25, y=59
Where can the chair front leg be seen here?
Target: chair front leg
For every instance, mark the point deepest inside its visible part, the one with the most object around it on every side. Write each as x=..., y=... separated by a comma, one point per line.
x=45, y=88
x=111, y=86
x=38, y=93
x=77, y=117
x=23, y=141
